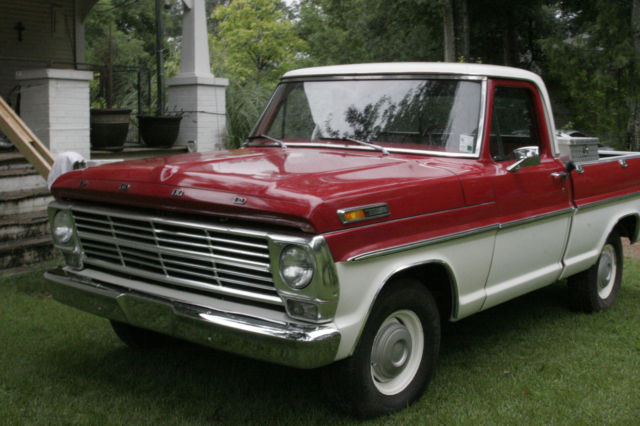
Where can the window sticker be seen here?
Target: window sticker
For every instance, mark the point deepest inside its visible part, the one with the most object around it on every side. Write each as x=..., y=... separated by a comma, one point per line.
x=466, y=143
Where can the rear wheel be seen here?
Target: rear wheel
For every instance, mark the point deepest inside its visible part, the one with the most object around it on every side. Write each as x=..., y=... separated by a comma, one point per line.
x=395, y=357
x=597, y=288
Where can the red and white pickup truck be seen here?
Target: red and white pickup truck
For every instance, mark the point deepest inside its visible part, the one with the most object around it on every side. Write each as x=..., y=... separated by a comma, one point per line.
x=370, y=203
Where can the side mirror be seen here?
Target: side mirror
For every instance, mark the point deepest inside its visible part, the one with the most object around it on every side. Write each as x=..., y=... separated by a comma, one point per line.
x=526, y=156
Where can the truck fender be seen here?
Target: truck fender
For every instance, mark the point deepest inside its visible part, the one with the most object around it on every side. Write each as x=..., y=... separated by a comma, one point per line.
x=447, y=303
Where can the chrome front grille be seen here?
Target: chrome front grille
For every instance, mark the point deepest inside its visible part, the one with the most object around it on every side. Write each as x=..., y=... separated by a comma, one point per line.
x=215, y=260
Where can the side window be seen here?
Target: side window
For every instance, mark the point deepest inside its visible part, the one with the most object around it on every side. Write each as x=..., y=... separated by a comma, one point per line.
x=513, y=122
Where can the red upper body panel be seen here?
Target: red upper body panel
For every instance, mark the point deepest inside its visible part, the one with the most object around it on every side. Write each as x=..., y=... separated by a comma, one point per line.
x=303, y=187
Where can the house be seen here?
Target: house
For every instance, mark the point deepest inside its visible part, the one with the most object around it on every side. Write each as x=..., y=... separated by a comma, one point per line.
x=45, y=78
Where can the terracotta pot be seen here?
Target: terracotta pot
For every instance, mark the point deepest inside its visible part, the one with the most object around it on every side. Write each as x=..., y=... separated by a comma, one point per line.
x=159, y=131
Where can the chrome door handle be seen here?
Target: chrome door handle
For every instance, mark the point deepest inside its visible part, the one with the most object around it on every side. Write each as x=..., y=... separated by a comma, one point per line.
x=559, y=175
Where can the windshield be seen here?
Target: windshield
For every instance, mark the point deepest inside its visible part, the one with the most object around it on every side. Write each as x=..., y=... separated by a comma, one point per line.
x=424, y=114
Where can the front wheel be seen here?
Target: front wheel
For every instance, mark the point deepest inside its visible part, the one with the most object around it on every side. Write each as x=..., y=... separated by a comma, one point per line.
x=395, y=357
x=597, y=288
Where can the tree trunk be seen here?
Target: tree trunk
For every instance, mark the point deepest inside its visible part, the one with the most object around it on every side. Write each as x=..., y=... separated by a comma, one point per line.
x=466, y=37
x=635, y=101
x=449, y=31
x=509, y=40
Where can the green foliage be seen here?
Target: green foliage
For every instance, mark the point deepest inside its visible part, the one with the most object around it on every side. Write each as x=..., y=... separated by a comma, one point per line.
x=590, y=66
x=584, y=49
x=253, y=46
x=132, y=27
x=245, y=103
x=352, y=31
x=256, y=40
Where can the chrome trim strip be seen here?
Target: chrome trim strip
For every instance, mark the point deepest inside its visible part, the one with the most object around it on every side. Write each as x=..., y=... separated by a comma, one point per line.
x=611, y=156
x=291, y=344
x=423, y=243
x=366, y=148
x=467, y=233
x=383, y=76
x=536, y=218
x=483, y=111
x=198, y=285
x=259, y=266
x=157, y=219
x=324, y=289
x=608, y=200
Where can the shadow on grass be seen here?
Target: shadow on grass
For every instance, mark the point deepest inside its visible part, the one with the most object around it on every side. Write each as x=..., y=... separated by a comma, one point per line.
x=198, y=384
x=539, y=310
x=186, y=383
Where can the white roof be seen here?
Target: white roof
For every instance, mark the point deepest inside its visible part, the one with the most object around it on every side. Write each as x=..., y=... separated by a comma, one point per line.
x=453, y=68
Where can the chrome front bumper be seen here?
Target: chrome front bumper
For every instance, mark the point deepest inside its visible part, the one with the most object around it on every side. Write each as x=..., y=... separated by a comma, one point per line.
x=295, y=345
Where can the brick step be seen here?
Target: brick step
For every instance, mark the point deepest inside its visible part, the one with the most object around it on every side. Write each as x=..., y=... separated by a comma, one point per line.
x=27, y=251
x=38, y=266
x=13, y=160
x=16, y=227
x=22, y=178
x=24, y=201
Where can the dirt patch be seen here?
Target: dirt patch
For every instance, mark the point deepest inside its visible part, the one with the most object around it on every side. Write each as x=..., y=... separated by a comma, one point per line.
x=632, y=251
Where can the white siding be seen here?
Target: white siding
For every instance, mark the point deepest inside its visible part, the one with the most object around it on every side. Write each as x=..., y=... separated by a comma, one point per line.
x=48, y=35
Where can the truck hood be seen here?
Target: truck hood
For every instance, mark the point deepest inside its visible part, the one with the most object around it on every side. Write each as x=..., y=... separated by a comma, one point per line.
x=299, y=187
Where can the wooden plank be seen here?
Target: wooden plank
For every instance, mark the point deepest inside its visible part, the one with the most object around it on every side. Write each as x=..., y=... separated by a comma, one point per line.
x=24, y=140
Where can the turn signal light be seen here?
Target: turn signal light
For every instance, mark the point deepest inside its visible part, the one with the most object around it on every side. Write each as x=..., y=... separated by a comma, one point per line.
x=356, y=214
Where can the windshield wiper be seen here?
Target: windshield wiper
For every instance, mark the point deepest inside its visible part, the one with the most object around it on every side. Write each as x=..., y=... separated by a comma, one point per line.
x=369, y=144
x=263, y=136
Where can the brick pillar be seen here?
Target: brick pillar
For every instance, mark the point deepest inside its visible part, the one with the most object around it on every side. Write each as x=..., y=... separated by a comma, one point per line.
x=203, y=101
x=54, y=103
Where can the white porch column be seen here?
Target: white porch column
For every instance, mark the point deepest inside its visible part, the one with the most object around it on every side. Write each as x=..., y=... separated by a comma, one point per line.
x=55, y=105
x=195, y=90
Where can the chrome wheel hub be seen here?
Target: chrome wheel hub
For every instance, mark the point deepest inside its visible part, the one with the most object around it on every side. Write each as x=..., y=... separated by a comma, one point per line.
x=391, y=351
x=607, y=270
x=396, y=353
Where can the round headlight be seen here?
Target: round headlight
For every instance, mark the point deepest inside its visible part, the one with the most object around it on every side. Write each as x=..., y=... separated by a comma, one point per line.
x=62, y=227
x=296, y=267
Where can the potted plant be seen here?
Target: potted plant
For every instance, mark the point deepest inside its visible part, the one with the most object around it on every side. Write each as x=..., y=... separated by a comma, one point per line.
x=159, y=130
x=109, y=126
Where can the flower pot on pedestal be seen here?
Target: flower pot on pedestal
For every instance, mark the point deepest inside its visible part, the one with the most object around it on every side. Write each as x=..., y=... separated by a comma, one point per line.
x=109, y=128
x=159, y=131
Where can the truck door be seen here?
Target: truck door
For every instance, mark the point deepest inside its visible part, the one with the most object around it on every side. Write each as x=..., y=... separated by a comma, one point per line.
x=533, y=202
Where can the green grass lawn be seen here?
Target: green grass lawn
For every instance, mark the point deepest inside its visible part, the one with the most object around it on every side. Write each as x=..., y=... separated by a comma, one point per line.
x=530, y=361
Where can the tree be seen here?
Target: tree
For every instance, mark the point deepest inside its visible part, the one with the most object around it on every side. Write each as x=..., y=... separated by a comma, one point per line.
x=590, y=62
x=256, y=40
x=449, y=31
x=351, y=31
x=132, y=28
x=634, y=119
